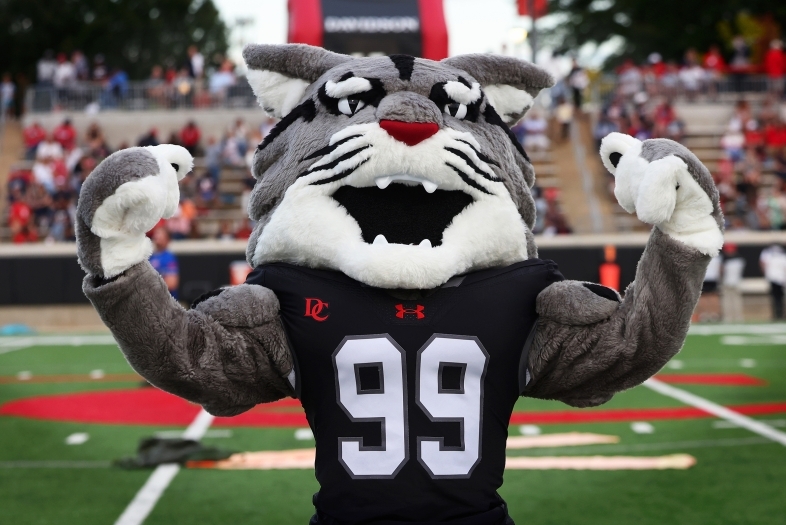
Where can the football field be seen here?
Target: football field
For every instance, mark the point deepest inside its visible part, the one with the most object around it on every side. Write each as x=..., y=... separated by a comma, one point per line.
x=704, y=443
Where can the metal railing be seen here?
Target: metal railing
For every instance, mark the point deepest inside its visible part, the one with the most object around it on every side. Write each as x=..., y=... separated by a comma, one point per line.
x=137, y=96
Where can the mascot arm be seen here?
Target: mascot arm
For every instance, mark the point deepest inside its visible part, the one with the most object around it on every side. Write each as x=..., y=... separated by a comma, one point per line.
x=228, y=353
x=590, y=343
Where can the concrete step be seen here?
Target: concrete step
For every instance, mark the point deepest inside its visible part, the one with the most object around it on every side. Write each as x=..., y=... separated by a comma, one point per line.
x=701, y=142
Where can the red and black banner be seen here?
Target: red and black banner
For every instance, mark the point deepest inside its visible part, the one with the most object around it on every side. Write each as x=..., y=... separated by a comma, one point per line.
x=371, y=27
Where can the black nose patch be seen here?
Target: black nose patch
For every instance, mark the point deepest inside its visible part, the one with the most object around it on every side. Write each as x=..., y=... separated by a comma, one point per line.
x=405, y=64
x=614, y=158
x=177, y=166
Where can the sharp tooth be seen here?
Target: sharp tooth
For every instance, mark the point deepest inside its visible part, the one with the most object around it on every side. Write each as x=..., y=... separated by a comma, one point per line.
x=383, y=182
x=430, y=186
x=380, y=239
x=425, y=243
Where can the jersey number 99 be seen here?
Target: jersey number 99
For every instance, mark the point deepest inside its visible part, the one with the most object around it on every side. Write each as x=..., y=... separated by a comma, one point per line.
x=372, y=387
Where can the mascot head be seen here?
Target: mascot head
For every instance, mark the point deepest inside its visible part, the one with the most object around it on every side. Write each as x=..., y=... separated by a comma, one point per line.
x=397, y=171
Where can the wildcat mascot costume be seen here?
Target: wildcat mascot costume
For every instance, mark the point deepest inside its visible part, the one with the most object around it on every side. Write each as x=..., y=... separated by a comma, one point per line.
x=396, y=289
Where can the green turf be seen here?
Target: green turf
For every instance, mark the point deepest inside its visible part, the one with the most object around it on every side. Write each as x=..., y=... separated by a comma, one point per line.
x=740, y=482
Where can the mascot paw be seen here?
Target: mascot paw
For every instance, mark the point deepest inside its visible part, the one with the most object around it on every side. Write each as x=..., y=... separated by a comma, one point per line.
x=664, y=184
x=122, y=199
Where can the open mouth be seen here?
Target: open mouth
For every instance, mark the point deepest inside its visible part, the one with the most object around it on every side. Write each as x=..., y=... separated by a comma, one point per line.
x=402, y=213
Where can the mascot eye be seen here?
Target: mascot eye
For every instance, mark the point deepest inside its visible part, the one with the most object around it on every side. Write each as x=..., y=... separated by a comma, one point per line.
x=456, y=110
x=350, y=105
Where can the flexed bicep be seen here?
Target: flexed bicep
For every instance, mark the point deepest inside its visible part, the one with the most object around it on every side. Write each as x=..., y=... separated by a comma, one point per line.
x=592, y=343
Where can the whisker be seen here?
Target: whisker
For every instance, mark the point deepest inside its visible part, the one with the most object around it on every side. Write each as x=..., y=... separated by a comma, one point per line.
x=469, y=181
x=334, y=163
x=486, y=159
x=346, y=173
x=480, y=155
x=463, y=156
x=329, y=148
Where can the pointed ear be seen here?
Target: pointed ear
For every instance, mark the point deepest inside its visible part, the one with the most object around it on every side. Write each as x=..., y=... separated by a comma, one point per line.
x=510, y=84
x=279, y=75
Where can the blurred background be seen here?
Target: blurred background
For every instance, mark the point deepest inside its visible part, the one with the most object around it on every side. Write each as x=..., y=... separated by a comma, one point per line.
x=81, y=79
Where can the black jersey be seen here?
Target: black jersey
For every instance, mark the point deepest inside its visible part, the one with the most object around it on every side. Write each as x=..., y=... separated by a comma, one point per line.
x=409, y=396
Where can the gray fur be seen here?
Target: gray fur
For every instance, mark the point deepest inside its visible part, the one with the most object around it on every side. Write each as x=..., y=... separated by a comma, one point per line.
x=584, y=363
x=655, y=149
x=114, y=171
x=227, y=354
x=293, y=60
x=532, y=248
x=277, y=166
x=230, y=352
x=409, y=107
x=570, y=302
x=498, y=69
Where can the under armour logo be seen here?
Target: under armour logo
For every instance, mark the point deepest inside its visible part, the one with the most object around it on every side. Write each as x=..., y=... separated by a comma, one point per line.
x=417, y=311
x=314, y=307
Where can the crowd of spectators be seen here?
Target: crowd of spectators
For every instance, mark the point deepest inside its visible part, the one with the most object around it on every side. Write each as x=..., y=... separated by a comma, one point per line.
x=706, y=73
x=751, y=175
x=652, y=118
x=42, y=193
x=751, y=170
x=192, y=82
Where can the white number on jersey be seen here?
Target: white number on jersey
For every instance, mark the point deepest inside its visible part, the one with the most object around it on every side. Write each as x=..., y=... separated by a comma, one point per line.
x=461, y=402
x=384, y=402
x=371, y=381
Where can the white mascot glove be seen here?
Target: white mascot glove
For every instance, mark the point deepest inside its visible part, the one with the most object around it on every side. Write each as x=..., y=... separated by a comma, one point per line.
x=121, y=200
x=664, y=184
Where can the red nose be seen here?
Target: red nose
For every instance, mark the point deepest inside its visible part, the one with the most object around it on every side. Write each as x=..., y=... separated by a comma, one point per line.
x=410, y=133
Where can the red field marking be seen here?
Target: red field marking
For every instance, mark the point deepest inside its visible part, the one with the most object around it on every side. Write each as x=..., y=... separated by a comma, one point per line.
x=150, y=406
x=712, y=379
x=611, y=415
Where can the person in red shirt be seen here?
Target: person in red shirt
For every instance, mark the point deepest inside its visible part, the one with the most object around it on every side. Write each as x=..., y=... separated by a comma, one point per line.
x=189, y=137
x=33, y=135
x=664, y=116
x=65, y=134
x=715, y=66
x=775, y=136
x=20, y=219
x=713, y=61
x=754, y=134
x=775, y=67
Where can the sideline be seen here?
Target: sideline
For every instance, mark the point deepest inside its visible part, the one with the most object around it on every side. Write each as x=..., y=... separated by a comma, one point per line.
x=722, y=412
x=12, y=344
x=737, y=329
x=147, y=497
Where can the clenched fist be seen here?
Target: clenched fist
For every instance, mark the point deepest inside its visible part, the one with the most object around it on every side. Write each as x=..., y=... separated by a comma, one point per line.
x=122, y=199
x=664, y=184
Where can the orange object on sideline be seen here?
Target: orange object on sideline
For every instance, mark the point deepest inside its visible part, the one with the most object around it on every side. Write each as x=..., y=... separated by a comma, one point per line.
x=238, y=271
x=610, y=271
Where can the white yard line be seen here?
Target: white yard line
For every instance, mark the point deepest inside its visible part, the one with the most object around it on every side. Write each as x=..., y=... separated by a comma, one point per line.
x=754, y=340
x=737, y=329
x=68, y=464
x=9, y=349
x=12, y=344
x=57, y=340
x=715, y=409
x=147, y=497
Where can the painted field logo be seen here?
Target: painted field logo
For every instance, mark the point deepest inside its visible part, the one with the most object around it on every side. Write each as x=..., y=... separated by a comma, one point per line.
x=417, y=311
x=314, y=307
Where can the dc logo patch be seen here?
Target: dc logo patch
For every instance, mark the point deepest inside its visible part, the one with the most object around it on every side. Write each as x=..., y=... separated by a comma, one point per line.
x=418, y=311
x=314, y=307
